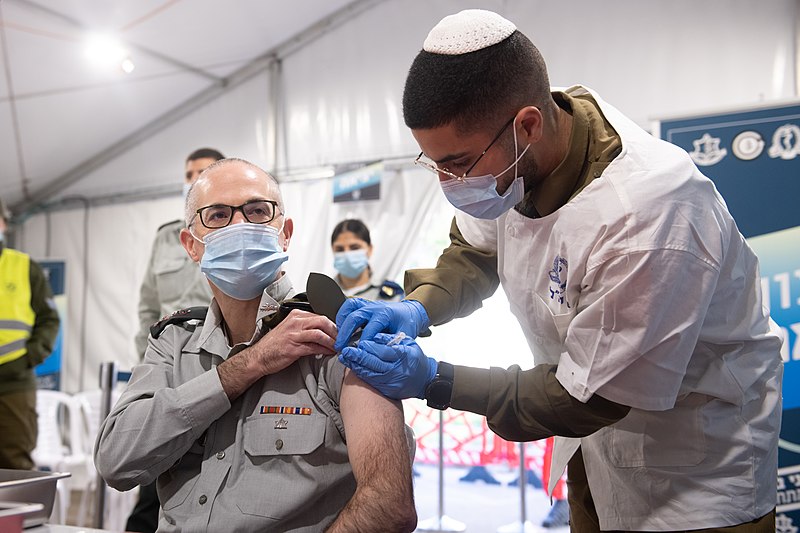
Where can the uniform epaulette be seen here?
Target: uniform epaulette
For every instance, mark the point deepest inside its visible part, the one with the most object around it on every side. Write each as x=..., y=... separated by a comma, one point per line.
x=165, y=224
x=182, y=315
x=390, y=289
x=299, y=301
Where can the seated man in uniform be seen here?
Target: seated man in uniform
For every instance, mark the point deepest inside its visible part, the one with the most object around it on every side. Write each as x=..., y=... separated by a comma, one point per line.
x=246, y=420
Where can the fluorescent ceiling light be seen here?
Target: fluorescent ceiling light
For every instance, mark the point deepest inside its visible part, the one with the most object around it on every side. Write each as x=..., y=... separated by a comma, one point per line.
x=106, y=51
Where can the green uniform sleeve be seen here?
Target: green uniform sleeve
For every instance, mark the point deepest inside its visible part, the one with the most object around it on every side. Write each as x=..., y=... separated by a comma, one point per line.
x=464, y=276
x=45, y=327
x=524, y=405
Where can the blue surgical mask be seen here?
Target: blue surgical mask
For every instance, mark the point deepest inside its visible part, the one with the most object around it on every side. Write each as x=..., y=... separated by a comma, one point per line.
x=477, y=196
x=352, y=263
x=243, y=259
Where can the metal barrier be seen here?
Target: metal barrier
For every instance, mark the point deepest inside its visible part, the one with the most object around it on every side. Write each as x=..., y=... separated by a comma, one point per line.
x=441, y=522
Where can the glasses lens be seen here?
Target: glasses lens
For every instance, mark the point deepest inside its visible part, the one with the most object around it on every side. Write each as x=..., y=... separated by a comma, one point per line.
x=259, y=212
x=216, y=216
x=427, y=164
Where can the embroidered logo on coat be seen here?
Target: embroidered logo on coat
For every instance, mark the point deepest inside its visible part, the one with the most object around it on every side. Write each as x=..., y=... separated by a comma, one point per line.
x=558, y=281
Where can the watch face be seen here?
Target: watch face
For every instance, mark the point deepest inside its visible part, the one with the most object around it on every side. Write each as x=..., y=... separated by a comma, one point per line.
x=439, y=393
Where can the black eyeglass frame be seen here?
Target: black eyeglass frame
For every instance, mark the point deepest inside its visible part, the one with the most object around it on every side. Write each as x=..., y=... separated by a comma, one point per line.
x=436, y=170
x=275, y=212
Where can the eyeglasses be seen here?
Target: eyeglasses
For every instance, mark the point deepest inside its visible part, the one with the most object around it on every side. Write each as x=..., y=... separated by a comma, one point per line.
x=255, y=211
x=429, y=165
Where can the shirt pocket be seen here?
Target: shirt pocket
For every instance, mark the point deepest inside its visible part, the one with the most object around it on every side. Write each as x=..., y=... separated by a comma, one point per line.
x=672, y=438
x=175, y=485
x=284, y=463
x=171, y=276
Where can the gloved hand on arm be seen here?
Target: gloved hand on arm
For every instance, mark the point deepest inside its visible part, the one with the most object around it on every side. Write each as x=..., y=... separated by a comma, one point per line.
x=408, y=316
x=397, y=371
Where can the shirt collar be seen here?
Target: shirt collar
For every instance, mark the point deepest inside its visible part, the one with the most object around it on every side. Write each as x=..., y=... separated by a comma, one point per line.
x=212, y=335
x=573, y=163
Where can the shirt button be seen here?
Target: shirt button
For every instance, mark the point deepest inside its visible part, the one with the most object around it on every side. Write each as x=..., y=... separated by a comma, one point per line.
x=203, y=499
x=279, y=444
x=220, y=455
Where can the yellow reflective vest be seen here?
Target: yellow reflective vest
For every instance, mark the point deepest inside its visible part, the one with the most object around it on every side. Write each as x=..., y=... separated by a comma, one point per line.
x=16, y=314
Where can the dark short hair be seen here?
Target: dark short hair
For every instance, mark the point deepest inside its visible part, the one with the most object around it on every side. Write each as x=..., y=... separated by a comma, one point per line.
x=477, y=89
x=205, y=153
x=353, y=225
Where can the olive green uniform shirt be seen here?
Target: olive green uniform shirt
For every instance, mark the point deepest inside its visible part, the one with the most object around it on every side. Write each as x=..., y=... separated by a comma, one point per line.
x=465, y=275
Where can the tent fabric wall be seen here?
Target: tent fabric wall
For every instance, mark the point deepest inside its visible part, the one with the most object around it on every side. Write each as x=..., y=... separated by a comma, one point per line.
x=103, y=300
x=338, y=100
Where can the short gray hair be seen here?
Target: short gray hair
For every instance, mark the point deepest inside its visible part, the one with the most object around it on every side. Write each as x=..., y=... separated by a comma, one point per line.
x=192, y=206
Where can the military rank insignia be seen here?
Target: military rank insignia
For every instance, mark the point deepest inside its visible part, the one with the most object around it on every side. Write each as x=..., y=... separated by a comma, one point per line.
x=281, y=410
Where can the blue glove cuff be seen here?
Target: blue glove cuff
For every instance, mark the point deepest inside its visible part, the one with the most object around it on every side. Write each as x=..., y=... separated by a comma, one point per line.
x=422, y=316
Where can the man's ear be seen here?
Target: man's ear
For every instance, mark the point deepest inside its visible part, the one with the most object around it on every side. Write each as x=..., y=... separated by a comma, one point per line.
x=288, y=229
x=191, y=245
x=532, y=122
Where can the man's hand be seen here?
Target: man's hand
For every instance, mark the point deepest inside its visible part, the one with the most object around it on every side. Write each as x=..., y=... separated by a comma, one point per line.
x=299, y=334
x=408, y=316
x=398, y=371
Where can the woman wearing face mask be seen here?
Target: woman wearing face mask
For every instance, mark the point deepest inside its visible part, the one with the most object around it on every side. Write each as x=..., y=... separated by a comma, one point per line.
x=352, y=249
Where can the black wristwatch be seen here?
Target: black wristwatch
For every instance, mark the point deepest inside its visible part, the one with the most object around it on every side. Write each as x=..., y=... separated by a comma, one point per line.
x=439, y=391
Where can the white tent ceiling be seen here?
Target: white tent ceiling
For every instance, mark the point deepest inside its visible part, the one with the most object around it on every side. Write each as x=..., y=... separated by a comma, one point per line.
x=61, y=116
x=205, y=74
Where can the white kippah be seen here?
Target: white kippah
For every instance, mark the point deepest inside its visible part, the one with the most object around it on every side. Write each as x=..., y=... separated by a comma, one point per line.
x=467, y=31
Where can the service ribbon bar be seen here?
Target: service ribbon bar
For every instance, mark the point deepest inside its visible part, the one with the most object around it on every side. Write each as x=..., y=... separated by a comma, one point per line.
x=278, y=410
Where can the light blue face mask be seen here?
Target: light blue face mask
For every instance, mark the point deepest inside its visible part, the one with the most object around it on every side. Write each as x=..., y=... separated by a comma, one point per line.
x=243, y=259
x=477, y=196
x=352, y=263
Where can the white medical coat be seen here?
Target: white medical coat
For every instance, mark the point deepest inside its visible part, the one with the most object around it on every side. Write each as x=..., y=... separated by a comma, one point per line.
x=643, y=291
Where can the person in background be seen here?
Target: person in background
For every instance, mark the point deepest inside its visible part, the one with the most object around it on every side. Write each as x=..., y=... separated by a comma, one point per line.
x=28, y=330
x=172, y=281
x=352, y=250
x=657, y=365
x=239, y=410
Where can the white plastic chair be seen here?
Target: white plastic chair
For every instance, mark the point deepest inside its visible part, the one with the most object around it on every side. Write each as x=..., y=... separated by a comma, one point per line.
x=59, y=444
x=118, y=504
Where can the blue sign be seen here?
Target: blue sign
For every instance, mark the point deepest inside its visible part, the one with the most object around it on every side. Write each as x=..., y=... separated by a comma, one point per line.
x=48, y=372
x=753, y=157
x=361, y=184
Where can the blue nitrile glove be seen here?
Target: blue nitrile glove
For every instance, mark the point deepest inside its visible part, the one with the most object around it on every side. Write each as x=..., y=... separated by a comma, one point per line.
x=398, y=371
x=408, y=316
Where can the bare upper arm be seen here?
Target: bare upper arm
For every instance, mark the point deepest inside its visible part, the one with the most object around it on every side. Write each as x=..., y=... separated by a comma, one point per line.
x=375, y=430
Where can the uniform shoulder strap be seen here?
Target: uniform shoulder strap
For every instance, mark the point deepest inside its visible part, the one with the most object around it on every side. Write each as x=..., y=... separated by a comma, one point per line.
x=182, y=315
x=170, y=223
x=298, y=301
x=389, y=289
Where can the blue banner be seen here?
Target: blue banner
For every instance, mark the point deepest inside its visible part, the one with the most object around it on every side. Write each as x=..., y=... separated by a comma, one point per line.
x=361, y=184
x=753, y=157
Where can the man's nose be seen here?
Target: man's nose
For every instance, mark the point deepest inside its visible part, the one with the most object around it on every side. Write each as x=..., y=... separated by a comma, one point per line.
x=238, y=217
